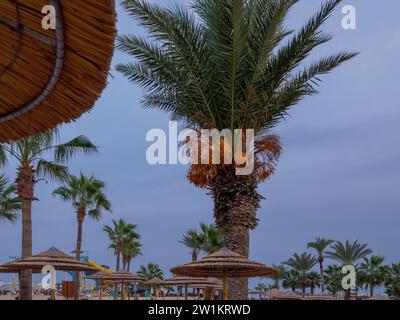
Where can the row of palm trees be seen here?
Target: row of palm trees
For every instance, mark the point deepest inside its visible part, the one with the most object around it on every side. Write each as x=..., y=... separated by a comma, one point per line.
x=44, y=157
x=298, y=271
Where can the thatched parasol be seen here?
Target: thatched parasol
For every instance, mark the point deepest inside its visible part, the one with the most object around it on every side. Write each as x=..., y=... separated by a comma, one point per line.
x=54, y=257
x=193, y=282
x=156, y=283
x=48, y=77
x=123, y=277
x=223, y=264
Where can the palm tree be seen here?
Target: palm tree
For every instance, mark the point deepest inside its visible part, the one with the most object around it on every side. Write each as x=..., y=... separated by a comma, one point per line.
x=88, y=199
x=302, y=263
x=213, y=238
x=392, y=282
x=261, y=288
x=131, y=248
x=291, y=279
x=150, y=271
x=10, y=205
x=320, y=245
x=228, y=64
x=118, y=233
x=31, y=154
x=314, y=280
x=374, y=272
x=194, y=241
x=333, y=279
x=278, y=276
x=348, y=253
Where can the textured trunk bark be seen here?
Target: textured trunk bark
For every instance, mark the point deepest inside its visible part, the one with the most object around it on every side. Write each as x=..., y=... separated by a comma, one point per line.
x=194, y=255
x=117, y=269
x=372, y=290
x=128, y=268
x=80, y=218
x=26, y=182
x=235, y=207
x=321, y=271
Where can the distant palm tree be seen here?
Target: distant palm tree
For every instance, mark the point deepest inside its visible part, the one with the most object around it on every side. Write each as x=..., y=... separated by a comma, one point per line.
x=228, y=64
x=333, y=278
x=302, y=263
x=10, y=204
x=320, y=245
x=314, y=280
x=31, y=154
x=392, y=282
x=119, y=232
x=374, y=272
x=194, y=241
x=348, y=253
x=261, y=288
x=291, y=279
x=150, y=271
x=213, y=238
x=88, y=199
x=277, y=277
x=131, y=248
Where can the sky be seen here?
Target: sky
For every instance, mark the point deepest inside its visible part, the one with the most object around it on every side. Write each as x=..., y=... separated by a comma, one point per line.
x=337, y=178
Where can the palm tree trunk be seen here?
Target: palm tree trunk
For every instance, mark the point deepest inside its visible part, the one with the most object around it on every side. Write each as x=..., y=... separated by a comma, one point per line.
x=194, y=255
x=80, y=218
x=129, y=265
x=372, y=290
x=117, y=269
x=26, y=182
x=321, y=272
x=235, y=207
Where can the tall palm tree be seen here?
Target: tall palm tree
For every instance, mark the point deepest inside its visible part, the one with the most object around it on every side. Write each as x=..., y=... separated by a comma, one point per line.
x=314, y=280
x=194, y=241
x=10, y=205
x=320, y=245
x=302, y=263
x=131, y=248
x=150, y=271
x=88, y=199
x=348, y=253
x=119, y=232
x=213, y=238
x=31, y=154
x=374, y=271
x=228, y=64
x=333, y=278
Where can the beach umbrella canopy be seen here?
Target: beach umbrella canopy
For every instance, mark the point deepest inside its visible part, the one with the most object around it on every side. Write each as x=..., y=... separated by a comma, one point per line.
x=51, y=76
x=155, y=282
x=223, y=264
x=54, y=257
x=192, y=281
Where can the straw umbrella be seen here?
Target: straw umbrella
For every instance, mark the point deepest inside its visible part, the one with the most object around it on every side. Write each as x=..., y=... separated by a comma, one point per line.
x=122, y=277
x=53, y=257
x=51, y=76
x=100, y=276
x=193, y=282
x=223, y=264
x=156, y=283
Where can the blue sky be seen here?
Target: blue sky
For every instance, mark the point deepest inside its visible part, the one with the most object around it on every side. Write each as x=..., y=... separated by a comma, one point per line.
x=338, y=176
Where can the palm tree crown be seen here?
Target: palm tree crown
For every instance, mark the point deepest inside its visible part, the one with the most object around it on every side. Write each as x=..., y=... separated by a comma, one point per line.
x=10, y=205
x=348, y=253
x=151, y=271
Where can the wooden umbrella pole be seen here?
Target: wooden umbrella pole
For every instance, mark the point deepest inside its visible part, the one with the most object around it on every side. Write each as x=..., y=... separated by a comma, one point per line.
x=53, y=294
x=101, y=290
x=122, y=291
x=225, y=282
x=186, y=292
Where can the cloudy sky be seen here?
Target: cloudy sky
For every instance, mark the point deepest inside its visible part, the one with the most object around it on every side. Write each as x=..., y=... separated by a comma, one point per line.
x=338, y=176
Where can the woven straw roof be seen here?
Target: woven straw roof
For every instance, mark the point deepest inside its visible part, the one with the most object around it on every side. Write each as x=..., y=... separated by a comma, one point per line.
x=283, y=295
x=155, y=281
x=193, y=281
x=54, y=257
x=116, y=276
x=224, y=262
x=48, y=77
